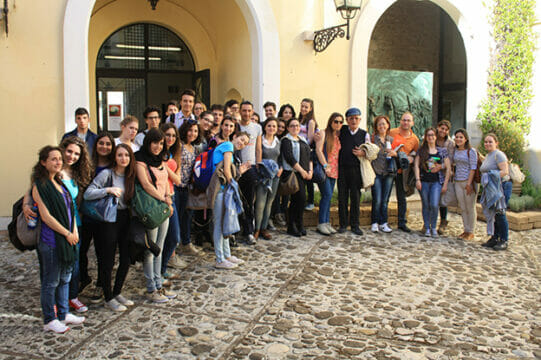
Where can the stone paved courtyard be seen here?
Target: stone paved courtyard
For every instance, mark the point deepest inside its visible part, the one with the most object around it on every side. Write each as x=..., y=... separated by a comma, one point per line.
x=398, y=296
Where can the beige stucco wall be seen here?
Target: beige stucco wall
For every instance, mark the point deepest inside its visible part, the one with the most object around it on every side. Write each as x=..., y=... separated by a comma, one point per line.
x=31, y=91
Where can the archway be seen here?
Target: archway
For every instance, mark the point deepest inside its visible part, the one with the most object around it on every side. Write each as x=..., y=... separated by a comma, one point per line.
x=476, y=43
x=262, y=29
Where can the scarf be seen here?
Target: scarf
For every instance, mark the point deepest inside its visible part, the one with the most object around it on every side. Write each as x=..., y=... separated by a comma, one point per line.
x=56, y=204
x=148, y=158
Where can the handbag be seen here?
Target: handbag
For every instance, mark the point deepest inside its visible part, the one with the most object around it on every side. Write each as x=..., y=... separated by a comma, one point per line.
x=149, y=210
x=28, y=237
x=197, y=200
x=288, y=185
x=103, y=209
x=449, y=198
x=318, y=175
x=515, y=174
x=477, y=173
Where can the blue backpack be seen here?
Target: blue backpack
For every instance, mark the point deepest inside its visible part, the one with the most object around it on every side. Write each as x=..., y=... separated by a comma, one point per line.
x=203, y=170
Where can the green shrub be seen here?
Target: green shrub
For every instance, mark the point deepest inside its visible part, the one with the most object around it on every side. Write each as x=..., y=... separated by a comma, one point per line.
x=516, y=204
x=529, y=202
x=505, y=111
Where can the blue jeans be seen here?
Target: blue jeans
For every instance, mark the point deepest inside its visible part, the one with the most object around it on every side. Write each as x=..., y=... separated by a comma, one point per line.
x=263, y=203
x=55, y=281
x=171, y=239
x=430, y=197
x=381, y=191
x=507, y=191
x=221, y=245
x=152, y=265
x=184, y=214
x=326, y=190
x=74, y=282
x=501, y=226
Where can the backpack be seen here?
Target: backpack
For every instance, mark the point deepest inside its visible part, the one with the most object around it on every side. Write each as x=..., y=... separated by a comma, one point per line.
x=203, y=170
x=18, y=226
x=477, y=173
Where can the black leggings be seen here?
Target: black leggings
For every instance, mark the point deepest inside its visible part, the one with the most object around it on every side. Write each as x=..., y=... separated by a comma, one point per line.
x=109, y=236
x=296, y=207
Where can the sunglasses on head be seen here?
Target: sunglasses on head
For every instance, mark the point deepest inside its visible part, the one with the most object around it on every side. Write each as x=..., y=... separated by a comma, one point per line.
x=192, y=122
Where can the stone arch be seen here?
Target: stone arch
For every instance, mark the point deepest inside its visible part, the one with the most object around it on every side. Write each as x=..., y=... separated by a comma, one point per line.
x=475, y=35
x=262, y=29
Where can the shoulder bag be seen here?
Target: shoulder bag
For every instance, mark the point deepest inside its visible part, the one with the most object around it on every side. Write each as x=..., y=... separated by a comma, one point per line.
x=103, y=209
x=288, y=184
x=149, y=210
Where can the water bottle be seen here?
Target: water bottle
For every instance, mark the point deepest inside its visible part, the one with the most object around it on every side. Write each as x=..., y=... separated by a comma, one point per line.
x=33, y=222
x=388, y=147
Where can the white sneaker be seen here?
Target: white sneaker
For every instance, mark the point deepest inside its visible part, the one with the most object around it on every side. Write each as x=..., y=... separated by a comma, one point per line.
x=235, y=260
x=156, y=297
x=427, y=233
x=225, y=265
x=56, y=327
x=375, y=228
x=322, y=229
x=177, y=263
x=435, y=233
x=385, y=228
x=330, y=228
x=74, y=320
x=121, y=299
x=114, y=305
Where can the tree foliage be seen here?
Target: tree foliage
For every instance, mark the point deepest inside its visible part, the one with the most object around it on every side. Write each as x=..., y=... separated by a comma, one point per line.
x=505, y=112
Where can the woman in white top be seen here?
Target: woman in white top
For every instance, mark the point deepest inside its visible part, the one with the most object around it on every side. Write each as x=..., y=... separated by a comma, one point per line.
x=128, y=130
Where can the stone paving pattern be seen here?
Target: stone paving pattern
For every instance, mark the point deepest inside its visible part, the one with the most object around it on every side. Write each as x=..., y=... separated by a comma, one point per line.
x=380, y=296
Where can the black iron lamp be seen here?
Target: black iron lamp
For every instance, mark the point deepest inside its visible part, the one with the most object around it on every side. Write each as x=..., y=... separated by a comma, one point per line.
x=153, y=3
x=348, y=10
x=4, y=16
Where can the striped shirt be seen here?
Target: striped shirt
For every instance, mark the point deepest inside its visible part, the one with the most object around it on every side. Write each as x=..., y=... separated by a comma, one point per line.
x=463, y=164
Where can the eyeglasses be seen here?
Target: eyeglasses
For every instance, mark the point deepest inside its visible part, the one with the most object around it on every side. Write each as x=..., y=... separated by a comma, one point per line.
x=338, y=121
x=294, y=125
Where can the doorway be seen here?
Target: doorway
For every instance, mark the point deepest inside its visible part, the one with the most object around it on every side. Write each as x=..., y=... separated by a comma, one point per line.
x=143, y=64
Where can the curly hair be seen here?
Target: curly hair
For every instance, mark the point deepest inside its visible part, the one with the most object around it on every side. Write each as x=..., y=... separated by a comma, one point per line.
x=82, y=170
x=39, y=172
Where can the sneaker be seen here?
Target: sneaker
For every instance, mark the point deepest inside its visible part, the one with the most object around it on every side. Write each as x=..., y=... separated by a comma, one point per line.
x=225, y=265
x=126, y=302
x=309, y=207
x=190, y=250
x=404, y=228
x=323, y=230
x=166, y=283
x=177, y=263
x=375, y=228
x=330, y=228
x=385, y=228
x=250, y=240
x=280, y=219
x=491, y=242
x=156, y=297
x=171, y=276
x=167, y=293
x=77, y=305
x=74, y=320
x=434, y=233
x=56, y=326
x=96, y=296
x=427, y=233
x=270, y=225
x=501, y=245
x=114, y=305
x=235, y=260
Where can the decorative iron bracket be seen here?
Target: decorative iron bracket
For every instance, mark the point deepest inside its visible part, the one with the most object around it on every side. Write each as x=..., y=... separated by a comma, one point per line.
x=4, y=16
x=323, y=38
x=153, y=3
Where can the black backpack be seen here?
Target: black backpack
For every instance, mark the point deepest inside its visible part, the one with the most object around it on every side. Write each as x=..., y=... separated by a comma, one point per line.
x=12, y=227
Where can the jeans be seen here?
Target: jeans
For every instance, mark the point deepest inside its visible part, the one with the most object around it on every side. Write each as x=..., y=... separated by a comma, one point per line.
x=152, y=264
x=326, y=190
x=507, y=191
x=55, y=281
x=221, y=245
x=263, y=203
x=430, y=197
x=247, y=188
x=349, y=188
x=401, y=200
x=110, y=236
x=74, y=282
x=501, y=226
x=381, y=191
x=171, y=239
x=184, y=214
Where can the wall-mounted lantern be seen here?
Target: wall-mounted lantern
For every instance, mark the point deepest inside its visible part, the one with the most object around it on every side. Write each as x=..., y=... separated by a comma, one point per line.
x=348, y=10
x=153, y=3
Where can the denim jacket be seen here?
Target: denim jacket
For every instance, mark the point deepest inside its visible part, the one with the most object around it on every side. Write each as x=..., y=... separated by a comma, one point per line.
x=232, y=209
x=268, y=169
x=492, y=196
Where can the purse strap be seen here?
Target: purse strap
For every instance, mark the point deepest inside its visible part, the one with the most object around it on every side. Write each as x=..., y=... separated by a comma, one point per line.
x=152, y=176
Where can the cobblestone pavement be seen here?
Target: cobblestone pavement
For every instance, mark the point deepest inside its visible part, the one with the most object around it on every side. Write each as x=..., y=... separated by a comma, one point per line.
x=398, y=296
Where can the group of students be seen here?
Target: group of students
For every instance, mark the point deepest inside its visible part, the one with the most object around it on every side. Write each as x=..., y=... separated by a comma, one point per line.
x=250, y=162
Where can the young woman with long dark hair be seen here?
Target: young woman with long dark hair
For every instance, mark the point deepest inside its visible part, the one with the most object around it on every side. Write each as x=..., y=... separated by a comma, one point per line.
x=308, y=128
x=119, y=181
x=327, y=149
x=57, y=250
x=76, y=175
x=430, y=183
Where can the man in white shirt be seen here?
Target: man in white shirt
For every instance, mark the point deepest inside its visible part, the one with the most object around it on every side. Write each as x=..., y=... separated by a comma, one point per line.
x=251, y=154
x=187, y=99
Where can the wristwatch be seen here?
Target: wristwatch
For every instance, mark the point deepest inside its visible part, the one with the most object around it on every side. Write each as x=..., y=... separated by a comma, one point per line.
x=325, y=166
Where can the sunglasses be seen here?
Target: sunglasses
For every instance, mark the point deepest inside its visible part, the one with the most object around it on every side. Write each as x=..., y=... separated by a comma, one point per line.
x=338, y=121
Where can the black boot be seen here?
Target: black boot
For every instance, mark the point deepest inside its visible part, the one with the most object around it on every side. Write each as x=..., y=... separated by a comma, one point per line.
x=491, y=242
x=293, y=231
